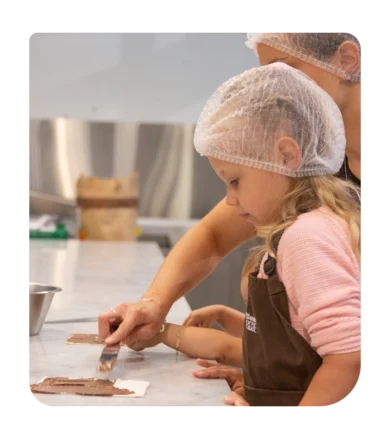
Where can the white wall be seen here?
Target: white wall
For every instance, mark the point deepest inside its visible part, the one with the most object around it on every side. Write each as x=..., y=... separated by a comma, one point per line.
x=134, y=77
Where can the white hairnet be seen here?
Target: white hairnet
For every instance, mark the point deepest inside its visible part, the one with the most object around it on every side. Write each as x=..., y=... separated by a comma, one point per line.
x=314, y=48
x=247, y=114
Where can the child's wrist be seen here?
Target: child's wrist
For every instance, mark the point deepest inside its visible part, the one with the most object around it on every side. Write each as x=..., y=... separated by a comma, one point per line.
x=163, y=335
x=220, y=311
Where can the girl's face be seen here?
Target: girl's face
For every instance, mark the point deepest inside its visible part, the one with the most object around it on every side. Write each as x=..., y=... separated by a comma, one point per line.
x=256, y=194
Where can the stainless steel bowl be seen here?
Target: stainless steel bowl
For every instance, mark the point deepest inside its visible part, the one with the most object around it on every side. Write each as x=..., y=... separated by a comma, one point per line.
x=40, y=301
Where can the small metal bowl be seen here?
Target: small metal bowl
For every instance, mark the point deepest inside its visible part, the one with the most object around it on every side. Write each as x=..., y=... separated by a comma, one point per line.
x=40, y=301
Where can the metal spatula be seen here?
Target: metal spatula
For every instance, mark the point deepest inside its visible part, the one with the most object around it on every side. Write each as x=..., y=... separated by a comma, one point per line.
x=109, y=355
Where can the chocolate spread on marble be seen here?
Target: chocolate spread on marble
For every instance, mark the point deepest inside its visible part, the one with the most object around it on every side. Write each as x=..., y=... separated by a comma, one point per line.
x=86, y=339
x=85, y=387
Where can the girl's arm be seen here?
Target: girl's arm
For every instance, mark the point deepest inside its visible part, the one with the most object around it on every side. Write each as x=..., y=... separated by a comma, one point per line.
x=334, y=380
x=206, y=343
x=232, y=321
x=322, y=279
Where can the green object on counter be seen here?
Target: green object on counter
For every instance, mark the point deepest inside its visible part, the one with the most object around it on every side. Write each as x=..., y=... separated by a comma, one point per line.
x=60, y=233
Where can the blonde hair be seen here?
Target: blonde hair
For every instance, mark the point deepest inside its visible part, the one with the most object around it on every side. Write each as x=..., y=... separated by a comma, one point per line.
x=309, y=193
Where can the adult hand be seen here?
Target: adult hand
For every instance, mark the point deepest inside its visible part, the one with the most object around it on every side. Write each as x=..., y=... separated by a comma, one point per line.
x=138, y=321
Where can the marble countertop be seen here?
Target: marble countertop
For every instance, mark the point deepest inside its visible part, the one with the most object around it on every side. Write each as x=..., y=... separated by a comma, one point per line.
x=95, y=276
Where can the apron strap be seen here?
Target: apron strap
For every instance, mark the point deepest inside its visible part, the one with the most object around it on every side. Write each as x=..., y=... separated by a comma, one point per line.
x=270, y=263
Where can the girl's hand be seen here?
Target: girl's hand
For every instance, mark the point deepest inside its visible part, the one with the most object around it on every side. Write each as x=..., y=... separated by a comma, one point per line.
x=235, y=399
x=233, y=377
x=203, y=317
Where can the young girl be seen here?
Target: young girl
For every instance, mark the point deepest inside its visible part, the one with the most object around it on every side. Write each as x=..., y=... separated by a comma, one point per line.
x=276, y=139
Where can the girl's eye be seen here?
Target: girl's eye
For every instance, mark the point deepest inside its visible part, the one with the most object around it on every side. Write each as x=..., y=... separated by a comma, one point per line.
x=234, y=183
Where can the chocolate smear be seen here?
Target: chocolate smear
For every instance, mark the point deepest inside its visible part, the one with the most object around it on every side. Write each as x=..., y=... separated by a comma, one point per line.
x=85, y=387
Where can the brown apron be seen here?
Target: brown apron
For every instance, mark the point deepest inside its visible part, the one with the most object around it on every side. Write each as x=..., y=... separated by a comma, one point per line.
x=278, y=362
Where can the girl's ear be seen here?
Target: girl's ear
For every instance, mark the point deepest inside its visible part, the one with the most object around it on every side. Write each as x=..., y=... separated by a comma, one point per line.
x=289, y=153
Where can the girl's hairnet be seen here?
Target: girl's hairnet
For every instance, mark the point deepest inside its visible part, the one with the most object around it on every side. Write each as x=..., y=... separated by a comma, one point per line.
x=246, y=115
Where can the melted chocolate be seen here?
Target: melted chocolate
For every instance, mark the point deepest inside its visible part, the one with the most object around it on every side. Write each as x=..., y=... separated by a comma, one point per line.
x=85, y=387
x=86, y=339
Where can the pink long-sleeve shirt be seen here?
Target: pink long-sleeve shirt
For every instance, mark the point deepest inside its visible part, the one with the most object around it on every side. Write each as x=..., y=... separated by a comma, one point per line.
x=322, y=279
